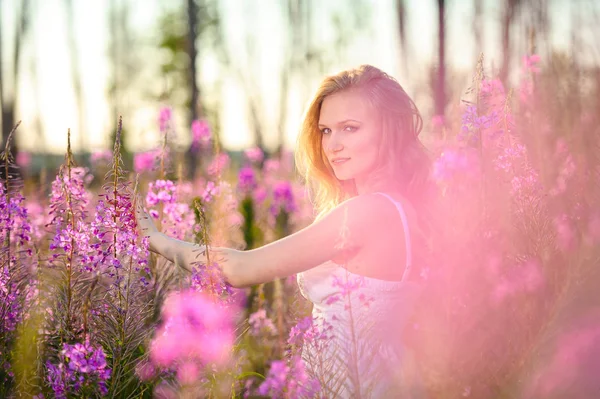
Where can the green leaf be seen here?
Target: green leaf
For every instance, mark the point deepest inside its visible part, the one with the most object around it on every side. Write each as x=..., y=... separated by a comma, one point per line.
x=247, y=374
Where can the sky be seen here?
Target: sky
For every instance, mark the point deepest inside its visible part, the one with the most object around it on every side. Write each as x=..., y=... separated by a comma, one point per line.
x=46, y=63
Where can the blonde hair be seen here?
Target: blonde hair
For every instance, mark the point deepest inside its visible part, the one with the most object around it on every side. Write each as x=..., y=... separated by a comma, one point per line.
x=400, y=146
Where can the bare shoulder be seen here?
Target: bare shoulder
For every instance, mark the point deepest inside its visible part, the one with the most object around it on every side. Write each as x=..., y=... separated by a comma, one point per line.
x=409, y=211
x=364, y=207
x=364, y=213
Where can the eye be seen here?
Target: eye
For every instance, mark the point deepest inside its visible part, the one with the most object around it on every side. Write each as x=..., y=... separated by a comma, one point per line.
x=325, y=130
x=349, y=128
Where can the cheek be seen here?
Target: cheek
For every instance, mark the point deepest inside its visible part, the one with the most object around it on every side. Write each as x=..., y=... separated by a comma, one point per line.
x=368, y=145
x=369, y=149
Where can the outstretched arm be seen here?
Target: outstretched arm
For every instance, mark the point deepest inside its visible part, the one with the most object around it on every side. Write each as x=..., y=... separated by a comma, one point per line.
x=343, y=230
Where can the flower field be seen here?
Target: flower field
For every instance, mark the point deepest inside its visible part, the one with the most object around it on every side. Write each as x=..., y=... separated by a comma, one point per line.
x=510, y=307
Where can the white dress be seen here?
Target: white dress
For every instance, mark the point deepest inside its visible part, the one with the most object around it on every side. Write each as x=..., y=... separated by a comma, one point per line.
x=363, y=318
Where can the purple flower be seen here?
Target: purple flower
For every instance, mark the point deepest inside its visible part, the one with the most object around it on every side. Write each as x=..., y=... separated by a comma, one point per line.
x=306, y=331
x=161, y=191
x=514, y=163
x=246, y=179
x=81, y=370
x=259, y=322
x=14, y=221
x=288, y=380
x=283, y=198
x=455, y=162
x=275, y=382
x=178, y=219
x=473, y=124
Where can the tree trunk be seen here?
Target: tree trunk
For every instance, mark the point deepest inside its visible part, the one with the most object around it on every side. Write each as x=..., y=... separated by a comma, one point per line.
x=401, y=16
x=440, y=87
x=192, y=14
x=477, y=31
x=8, y=102
x=76, y=77
x=507, y=18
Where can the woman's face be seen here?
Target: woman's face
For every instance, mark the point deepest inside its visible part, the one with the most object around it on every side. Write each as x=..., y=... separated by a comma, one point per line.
x=350, y=134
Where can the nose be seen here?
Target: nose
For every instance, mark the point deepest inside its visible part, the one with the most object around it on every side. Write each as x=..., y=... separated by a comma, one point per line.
x=334, y=144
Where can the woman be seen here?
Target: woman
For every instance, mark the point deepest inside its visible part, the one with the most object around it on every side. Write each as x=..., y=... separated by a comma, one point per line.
x=359, y=152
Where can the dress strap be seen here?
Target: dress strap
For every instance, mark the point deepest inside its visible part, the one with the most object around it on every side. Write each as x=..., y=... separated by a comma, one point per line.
x=406, y=234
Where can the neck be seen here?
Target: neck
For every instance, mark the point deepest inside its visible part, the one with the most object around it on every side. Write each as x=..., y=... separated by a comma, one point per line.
x=376, y=182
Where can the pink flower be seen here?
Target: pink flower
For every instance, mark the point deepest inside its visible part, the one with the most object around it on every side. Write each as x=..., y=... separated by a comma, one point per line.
x=210, y=191
x=218, y=164
x=145, y=161
x=254, y=154
x=164, y=119
x=164, y=391
x=271, y=166
x=145, y=371
x=23, y=159
x=188, y=373
x=200, y=134
x=570, y=369
x=196, y=328
x=259, y=194
x=492, y=87
x=102, y=157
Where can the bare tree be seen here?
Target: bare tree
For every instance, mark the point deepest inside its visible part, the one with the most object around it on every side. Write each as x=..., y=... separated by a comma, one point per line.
x=124, y=65
x=8, y=99
x=510, y=10
x=477, y=27
x=304, y=58
x=402, y=32
x=76, y=75
x=440, y=81
x=192, y=52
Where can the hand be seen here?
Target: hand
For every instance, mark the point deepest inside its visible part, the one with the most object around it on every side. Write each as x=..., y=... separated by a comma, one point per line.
x=144, y=221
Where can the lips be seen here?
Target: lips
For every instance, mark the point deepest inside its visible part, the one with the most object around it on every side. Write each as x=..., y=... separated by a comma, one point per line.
x=339, y=161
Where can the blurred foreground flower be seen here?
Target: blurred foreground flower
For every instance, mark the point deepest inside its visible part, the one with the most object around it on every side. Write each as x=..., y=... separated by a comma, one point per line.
x=197, y=331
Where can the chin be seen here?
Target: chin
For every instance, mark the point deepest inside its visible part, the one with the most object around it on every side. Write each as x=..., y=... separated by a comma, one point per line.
x=343, y=176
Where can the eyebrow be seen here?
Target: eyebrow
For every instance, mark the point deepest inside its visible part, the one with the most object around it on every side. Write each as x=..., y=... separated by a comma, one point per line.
x=341, y=122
